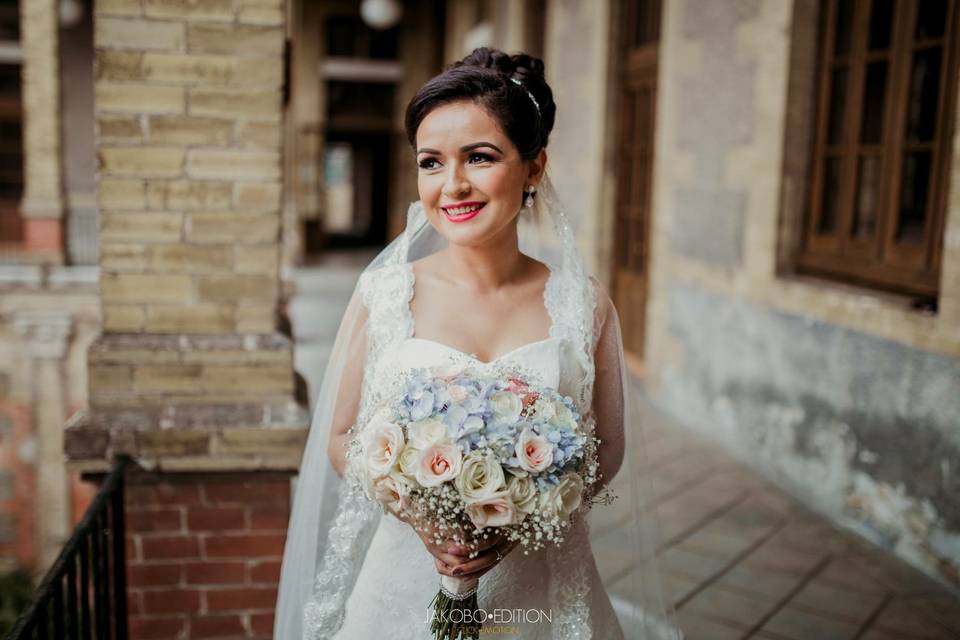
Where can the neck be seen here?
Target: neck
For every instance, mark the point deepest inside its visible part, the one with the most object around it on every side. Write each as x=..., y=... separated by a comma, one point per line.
x=488, y=267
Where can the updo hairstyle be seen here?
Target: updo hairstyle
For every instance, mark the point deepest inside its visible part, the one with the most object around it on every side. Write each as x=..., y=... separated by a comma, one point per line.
x=489, y=78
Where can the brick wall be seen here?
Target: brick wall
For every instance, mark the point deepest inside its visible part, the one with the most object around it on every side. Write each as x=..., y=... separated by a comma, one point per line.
x=204, y=555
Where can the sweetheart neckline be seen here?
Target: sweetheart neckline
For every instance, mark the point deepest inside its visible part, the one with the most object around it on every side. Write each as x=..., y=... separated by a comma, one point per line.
x=545, y=297
x=476, y=359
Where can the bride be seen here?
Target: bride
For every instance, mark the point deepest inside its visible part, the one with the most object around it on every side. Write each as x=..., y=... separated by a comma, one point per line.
x=485, y=273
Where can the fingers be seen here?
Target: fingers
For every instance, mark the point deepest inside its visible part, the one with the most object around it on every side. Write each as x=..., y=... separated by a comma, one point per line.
x=442, y=568
x=484, y=562
x=447, y=558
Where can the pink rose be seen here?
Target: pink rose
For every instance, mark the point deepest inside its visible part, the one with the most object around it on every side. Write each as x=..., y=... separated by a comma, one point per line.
x=439, y=463
x=534, y=452
x=496, y=511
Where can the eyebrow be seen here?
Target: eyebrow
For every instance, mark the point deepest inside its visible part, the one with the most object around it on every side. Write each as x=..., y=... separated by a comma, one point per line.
x=464, y=149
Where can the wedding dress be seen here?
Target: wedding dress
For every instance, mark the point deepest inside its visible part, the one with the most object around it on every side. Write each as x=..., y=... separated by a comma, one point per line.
x=352, y=573
x=398, y=574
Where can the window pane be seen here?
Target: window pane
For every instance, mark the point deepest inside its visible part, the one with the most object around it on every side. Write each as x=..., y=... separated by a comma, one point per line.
x=931, y=19
x=874, y=91
x=838, y=103
x=914, y=187
x=923, y=93
x=868, y=184
x=830, y=199
x=844, y=28
x=881, y=21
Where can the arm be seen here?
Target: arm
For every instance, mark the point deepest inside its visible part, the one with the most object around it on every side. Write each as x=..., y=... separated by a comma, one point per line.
x=608, y=390
x=351, y=349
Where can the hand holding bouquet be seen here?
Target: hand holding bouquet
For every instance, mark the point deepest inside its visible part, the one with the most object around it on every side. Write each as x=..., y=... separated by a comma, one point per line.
x=469, y=454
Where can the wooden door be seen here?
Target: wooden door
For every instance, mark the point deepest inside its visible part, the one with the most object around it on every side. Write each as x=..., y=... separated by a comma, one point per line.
x=639, y=45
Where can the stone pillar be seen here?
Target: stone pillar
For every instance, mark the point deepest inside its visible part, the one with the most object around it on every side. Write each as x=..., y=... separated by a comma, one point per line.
x=190, y=375
x=42, y=203
x=46, y=334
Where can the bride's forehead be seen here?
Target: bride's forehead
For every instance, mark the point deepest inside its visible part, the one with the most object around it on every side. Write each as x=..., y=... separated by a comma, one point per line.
x=458, y=123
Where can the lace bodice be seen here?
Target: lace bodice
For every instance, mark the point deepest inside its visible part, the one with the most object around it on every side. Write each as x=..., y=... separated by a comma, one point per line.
x=567, y=582
x=398, y=577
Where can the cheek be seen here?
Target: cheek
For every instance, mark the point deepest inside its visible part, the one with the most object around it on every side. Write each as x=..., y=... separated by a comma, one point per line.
x=428, y=187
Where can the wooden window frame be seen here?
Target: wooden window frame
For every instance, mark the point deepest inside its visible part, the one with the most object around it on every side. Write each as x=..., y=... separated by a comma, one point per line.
x=880, y=261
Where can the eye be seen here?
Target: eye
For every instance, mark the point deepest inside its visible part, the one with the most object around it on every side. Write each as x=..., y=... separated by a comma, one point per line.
x=428, y=163
x=480, y=157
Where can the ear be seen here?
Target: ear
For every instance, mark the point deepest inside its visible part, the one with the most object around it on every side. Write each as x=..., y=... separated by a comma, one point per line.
x=536, y=168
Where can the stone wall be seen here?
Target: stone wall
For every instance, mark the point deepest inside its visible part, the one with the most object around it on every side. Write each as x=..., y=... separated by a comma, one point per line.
x=845, y=395
x=188, y=106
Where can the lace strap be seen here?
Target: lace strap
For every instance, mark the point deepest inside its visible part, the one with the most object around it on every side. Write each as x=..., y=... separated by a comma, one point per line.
x=386, y=292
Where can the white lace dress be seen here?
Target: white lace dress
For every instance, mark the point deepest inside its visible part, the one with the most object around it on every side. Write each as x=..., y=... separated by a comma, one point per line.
x=398, y=578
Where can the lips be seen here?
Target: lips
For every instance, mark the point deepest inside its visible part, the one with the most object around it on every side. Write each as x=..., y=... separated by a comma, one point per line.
x=463, y=211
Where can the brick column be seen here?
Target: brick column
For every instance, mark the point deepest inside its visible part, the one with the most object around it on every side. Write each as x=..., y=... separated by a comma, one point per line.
x=42, y=204
x=190, y=375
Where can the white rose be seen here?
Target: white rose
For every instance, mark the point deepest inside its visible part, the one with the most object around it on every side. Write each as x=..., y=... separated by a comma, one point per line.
x=383, y=443
x=423, y=433
x=408, y=460
x=480, y=477
x=439, y=463
x=506, y=406
x=564, y=498
x=496, y=511
x=534, y=452
x=523, y=492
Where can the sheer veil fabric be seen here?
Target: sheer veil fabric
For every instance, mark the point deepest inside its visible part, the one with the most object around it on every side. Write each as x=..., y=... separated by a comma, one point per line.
x=330, y=528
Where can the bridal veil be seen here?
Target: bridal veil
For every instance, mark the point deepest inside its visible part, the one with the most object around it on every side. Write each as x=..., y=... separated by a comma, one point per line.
x=330, y=527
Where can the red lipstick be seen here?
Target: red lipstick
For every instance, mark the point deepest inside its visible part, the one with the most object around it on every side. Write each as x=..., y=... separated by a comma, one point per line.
x=474, y=207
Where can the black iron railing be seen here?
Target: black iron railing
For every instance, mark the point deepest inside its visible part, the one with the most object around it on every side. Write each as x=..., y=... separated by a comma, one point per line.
x=83, y=596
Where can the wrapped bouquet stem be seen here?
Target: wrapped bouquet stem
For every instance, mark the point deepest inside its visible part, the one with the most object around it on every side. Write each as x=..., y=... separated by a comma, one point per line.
x=467, y=455
x=455, y=612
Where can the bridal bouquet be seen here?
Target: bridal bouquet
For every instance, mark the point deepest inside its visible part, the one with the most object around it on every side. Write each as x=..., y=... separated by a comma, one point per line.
x=466, y=454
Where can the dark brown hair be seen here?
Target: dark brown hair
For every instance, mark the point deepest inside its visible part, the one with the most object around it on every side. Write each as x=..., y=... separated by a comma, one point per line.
x=486, y=77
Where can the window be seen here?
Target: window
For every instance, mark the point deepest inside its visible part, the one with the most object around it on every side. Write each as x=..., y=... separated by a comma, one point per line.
x=885, y=85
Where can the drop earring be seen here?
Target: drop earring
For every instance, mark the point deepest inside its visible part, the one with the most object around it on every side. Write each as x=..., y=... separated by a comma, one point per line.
x=528, y=202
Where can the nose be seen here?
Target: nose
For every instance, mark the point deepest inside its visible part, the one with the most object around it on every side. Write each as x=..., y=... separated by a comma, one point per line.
x=455, y=185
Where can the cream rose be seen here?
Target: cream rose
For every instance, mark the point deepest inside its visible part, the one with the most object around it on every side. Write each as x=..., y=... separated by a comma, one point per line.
x=439, y=463
x=480, y=477
x=423, y=433
x=384, y=441
x=534, y=452
x=523, y=492
x=496, y=511
x=390, y=491
x=408, y=460
x=564, y=498
x=506, y=406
